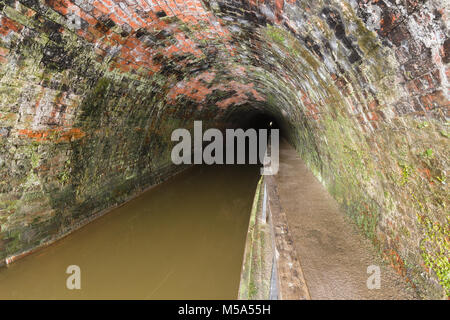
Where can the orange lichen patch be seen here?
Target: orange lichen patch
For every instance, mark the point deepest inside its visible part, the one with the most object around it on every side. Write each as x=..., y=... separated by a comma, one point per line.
x=426, y=173
x=55, y=135
x=72, y=134
x=395, y=261
x=37, y=135
x=39, y=97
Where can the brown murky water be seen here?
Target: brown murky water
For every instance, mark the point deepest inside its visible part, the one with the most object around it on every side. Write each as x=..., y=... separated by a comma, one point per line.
x=181, y=240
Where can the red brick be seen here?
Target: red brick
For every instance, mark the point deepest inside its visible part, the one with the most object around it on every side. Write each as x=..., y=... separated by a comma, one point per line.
x=4, y=51
x=11, y=24
x=435, y=99
x=59, y=5
x=412, y=87
x=100, y=6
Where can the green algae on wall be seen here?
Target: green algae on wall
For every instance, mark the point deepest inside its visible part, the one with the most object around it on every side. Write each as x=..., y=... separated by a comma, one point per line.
x=352, y=164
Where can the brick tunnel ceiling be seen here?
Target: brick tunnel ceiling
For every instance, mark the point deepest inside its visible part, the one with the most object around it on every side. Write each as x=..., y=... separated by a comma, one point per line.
x=206, y=58
x=92, y=89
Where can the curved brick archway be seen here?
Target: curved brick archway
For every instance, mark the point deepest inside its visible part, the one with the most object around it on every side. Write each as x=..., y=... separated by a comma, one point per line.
x=91, y=89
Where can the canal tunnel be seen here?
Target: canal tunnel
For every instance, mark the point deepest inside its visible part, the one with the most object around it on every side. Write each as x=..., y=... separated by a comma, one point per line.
x=91, y=91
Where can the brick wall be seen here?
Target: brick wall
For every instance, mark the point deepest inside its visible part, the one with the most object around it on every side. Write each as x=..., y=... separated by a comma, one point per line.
x=90, y=91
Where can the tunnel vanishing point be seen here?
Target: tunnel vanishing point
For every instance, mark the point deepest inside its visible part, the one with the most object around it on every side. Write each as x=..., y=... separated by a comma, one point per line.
x=91, y=90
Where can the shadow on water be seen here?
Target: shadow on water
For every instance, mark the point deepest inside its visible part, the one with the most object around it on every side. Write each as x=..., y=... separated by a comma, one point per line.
x=181, y=240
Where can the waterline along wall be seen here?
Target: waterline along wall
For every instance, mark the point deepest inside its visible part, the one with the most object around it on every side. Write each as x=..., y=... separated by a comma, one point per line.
x=90, y=91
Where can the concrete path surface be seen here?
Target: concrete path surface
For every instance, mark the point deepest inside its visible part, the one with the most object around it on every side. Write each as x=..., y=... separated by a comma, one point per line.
x=333, y=255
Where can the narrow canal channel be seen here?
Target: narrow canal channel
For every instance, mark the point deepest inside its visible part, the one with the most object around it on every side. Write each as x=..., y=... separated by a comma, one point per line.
x=183, y=239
